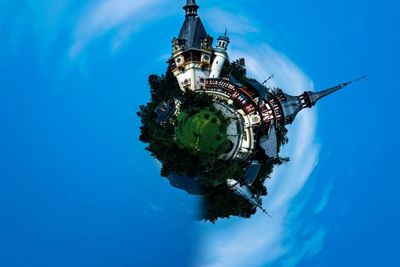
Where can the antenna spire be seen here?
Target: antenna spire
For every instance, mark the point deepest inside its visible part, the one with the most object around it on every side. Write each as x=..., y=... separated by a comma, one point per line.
x=293, y=105
x=315, y=96
x=363, y=77
x=269, y=78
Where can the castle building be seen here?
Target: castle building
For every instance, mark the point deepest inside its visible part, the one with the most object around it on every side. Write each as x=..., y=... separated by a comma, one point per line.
x=193, y=57
x=257, y=113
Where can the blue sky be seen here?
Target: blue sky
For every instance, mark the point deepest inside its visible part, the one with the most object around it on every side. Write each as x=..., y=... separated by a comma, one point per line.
x=78, y=189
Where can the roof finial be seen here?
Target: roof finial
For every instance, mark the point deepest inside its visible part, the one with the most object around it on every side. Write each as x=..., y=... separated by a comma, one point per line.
x=191, y=8
x=191, y=3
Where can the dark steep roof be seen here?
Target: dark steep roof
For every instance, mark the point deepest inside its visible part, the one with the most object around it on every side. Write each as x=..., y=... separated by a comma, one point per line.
x=234, y=81
x=270, y=143
x=260, y=88
x=192, y=31
x=252, y=173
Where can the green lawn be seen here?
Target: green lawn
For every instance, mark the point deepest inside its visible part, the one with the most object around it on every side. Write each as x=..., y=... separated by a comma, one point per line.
x=201, y=132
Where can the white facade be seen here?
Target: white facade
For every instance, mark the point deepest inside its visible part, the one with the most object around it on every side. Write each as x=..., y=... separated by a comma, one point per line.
x=220, y=56
x=217, y=65
x=248, y=143
x=191, y=76
x=250, y=121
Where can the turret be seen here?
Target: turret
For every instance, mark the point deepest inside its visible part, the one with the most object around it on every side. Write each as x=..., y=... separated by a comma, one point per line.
x=207, y=52
x=220, y=56
x=178, y=46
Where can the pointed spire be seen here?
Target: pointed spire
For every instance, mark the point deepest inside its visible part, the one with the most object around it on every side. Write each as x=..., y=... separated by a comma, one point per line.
x=292, y=105
x=316, y=96
x=225, y=36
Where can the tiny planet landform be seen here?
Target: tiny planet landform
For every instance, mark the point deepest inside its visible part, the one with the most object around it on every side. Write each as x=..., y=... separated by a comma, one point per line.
x=217, y=132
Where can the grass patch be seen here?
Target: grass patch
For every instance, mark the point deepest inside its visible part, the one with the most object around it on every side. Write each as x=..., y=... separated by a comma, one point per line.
x=201, y=132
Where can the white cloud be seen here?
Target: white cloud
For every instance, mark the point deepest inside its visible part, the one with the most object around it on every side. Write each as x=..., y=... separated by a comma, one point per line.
x=42, y=20
x=236, y=242
x=324, y=199
x=261, y=241
x=122, y=16
x=308, y=248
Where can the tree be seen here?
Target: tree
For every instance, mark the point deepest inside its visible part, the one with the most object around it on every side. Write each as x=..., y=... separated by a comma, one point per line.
x=235, y=68
x=219, y=201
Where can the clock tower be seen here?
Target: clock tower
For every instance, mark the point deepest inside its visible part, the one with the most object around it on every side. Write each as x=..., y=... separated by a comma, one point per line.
x=192, y=51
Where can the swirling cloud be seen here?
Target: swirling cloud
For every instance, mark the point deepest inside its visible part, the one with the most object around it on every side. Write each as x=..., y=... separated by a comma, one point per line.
x=261, y=241
x=236, y=242
x=122, y=16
